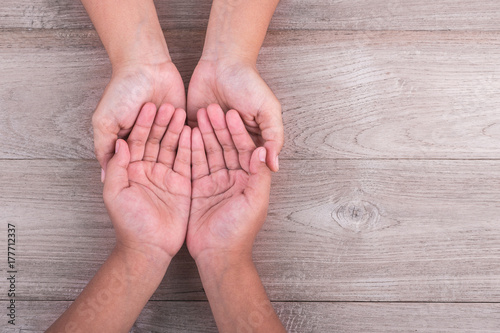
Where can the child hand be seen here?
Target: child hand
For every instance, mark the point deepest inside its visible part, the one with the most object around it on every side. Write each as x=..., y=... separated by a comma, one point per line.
x=230, y=190
x=147, y=189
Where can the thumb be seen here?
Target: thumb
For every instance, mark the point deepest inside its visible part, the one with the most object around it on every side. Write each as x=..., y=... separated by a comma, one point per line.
x=105, y=134
x=116, y=169
x=259, y=183
x=271, y=126
x=274, y=148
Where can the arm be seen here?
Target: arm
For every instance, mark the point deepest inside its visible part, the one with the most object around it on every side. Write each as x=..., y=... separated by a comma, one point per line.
x=147, y=193
x=230, y=195
x=129, y=30
x=142, y=69
x=237, y=297
x=227, y=75
x=114, y=298
x=236, y=29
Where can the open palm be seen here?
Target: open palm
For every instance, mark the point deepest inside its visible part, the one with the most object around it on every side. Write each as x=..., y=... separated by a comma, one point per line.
x=230, y=186
x=148, y=185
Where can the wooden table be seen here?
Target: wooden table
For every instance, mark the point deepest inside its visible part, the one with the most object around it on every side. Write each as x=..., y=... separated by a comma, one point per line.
x=384, y=216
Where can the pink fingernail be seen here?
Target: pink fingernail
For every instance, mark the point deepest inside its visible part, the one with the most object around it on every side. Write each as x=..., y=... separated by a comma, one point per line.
x=277, y=162
x=103, y=175
x=262, y=154
x=117, y=146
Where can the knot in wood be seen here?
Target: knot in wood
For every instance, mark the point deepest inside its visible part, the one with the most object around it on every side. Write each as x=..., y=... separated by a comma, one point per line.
x=356, y=215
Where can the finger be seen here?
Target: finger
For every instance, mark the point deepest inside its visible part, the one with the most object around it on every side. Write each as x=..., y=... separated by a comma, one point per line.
x=105, y=135
x=182, y=164
x=157, y=131
x=271, y=126
x=213, y=149
x=170, y=141
x=218, y=121
x=241, y=138
x=273, y=148
x=259, y=182
x=198, y=157
x=116, y=171
x=140, y=132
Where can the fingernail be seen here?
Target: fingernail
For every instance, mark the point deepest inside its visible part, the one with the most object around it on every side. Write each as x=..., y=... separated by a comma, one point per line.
x=262, y=154
x=117, y=146
x=277, y=162
x=102, y=175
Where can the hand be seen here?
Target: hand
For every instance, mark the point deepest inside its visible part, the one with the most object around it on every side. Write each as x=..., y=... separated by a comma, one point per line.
x=147, y=190
x=131, y=86
x=230, y=186
x=237, y=85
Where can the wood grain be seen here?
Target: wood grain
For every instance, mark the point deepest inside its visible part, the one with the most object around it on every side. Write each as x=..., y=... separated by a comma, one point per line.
x=290, y=14
x=51, y=84
x=419, y=95
x=341, y=230
x=384, y=216
x=160, y=316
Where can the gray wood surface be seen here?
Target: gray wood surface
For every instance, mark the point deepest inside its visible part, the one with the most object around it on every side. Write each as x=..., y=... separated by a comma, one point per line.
x=337, y=230
x=344, y=94
x=290, y=14
x=384, y=216
x=297, y=317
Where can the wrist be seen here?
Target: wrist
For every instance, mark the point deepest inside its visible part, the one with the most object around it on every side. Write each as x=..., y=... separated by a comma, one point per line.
x=146, y=261
x=226, y=37
x=221, y=62
x=222, y=53
x=216, y=263
x=130, y=31
x=237, y=28
x=148, y=47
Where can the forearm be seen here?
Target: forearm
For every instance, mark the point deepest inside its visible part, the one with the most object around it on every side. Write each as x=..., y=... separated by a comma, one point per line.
x=114, y=298
x=237, y=28
x=129, y=30
x=237, y=297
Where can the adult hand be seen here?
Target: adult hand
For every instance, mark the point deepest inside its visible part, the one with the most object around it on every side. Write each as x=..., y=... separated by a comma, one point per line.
x=142, y=69
x=131, y=86
x=238, y=85
x=230, y=187
x=147, y=190
x=227, y=75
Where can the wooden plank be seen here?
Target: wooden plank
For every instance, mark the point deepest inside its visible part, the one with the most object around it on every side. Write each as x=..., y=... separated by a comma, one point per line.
x=35, y=316
x=290, y=14
x=43, y=111
x=337, y=230
x=344, y=94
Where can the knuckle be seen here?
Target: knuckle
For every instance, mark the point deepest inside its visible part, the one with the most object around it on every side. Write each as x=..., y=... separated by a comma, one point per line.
x=213, y=150
x=168, y=147
x=183, y=160
x=228, y=147
x=154, y=141
x=199, y=163
x=135, y=142
x=104, y=124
